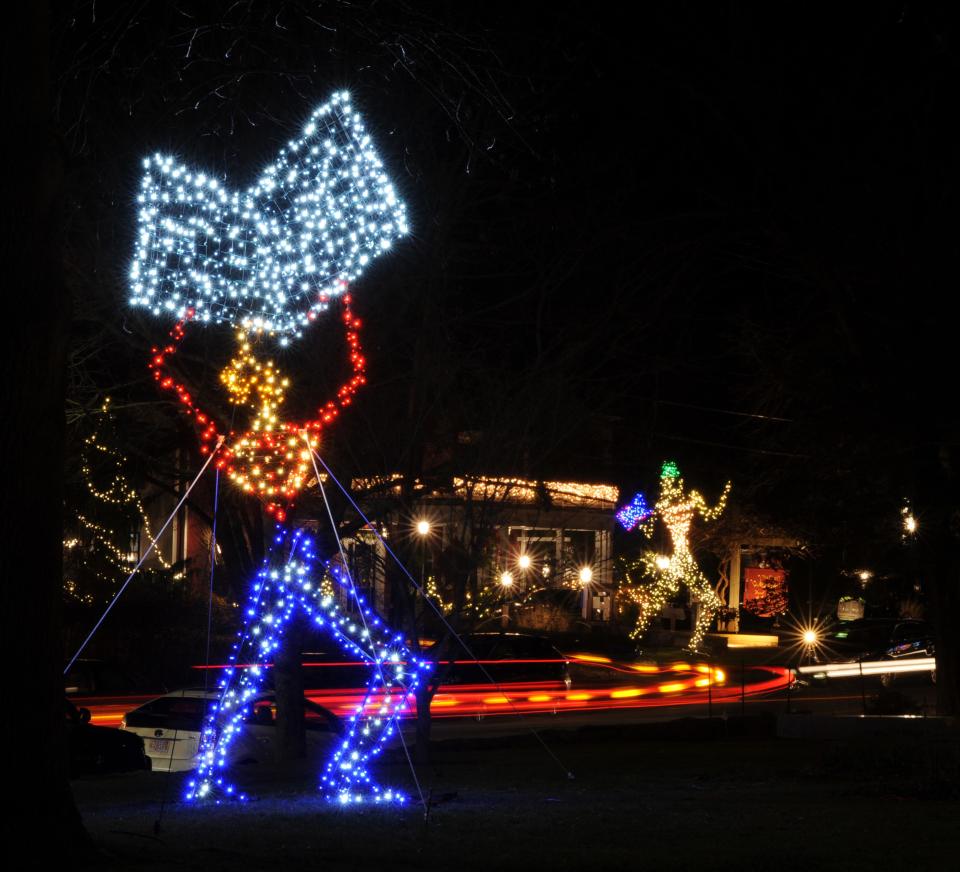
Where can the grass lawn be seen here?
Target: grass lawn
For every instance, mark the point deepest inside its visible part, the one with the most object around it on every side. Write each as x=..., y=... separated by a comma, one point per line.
x=637, y=801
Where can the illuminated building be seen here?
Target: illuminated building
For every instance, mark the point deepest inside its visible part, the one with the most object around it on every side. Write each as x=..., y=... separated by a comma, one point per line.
x=547, y=535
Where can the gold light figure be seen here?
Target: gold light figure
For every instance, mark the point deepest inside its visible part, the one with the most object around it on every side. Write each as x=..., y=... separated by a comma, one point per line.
x=270, y=457
x=677, y=508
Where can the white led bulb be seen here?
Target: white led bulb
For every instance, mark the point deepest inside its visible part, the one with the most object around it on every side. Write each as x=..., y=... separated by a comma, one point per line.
x=270, y=257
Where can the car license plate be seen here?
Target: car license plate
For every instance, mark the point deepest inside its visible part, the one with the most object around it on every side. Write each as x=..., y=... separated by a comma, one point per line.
x=161, y=746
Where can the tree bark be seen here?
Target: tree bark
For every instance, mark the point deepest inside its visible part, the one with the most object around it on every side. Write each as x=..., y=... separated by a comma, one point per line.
x=291, y=741
x=33, y=441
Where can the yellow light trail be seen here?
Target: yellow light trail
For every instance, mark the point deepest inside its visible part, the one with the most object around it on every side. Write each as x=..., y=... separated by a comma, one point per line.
x=672, y=687
x=591, y=658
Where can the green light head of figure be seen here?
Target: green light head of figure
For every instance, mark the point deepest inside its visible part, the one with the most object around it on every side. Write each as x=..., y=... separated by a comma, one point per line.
x=669, y=470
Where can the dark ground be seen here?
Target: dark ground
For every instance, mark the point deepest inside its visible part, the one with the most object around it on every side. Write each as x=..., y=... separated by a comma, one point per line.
x=738, y=799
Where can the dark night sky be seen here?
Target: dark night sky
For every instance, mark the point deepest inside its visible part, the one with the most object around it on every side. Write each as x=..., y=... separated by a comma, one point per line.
x=650, y=229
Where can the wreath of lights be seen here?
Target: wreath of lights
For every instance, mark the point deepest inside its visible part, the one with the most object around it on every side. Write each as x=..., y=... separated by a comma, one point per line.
x=676, y=508
x=267, y=261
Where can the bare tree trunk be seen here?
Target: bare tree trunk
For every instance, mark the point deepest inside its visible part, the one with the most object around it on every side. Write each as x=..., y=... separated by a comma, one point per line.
x=291, y=741
x=33, y=449
x=421, y=747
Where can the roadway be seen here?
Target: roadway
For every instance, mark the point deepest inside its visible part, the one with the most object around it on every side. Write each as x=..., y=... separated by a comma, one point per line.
x=604, y=691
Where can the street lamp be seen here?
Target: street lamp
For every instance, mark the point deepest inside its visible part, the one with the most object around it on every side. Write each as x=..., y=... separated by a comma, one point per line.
x=586, y=576
x=810, y=638
x=423, y=530
x=524, y=561
x=506, y=582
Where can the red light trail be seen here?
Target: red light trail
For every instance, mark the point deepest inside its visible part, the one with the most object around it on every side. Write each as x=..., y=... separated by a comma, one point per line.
x=653, y=686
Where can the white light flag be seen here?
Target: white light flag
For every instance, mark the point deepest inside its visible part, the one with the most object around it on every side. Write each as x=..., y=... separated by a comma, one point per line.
x=271, y=257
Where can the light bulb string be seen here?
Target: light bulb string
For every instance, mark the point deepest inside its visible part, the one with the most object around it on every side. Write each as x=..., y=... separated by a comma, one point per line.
x=240, y=455
x=363, y=619
x=146, y=554
x=244, y=633
x=440, y=615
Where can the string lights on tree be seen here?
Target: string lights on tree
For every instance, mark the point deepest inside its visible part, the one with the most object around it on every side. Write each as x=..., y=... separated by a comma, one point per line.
x=267, y=261
x=101, y=549
x=676, y=508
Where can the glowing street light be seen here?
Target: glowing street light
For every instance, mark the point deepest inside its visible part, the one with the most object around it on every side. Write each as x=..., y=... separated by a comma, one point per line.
x=811, y=639
x=524, y=561
x=586, y=575
x=506, y=579
x=423, y=530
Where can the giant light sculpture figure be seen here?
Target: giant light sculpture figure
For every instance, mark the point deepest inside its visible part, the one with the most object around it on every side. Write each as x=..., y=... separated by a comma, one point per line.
x=676, y=507
x=268, y=261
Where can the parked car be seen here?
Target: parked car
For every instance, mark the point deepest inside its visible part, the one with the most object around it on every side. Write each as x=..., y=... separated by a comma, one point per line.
x=877, y=638
x=506, y=658
x=97, y=750
x=869, y=640
x=170, y=727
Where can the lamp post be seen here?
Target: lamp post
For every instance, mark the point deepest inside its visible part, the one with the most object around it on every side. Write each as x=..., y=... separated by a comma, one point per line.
x=506, y=583
x=810, y=639
x=586, y=576
x=423, y=530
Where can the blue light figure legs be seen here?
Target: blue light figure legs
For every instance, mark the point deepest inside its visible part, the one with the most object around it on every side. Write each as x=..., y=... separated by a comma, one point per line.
x=288, y=584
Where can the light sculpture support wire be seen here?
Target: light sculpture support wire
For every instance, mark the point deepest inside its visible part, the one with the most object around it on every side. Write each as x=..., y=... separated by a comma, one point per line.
x=267, y=260
x=287, y=584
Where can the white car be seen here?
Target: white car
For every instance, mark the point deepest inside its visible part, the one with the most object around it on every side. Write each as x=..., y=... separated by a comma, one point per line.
x=170, y=727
